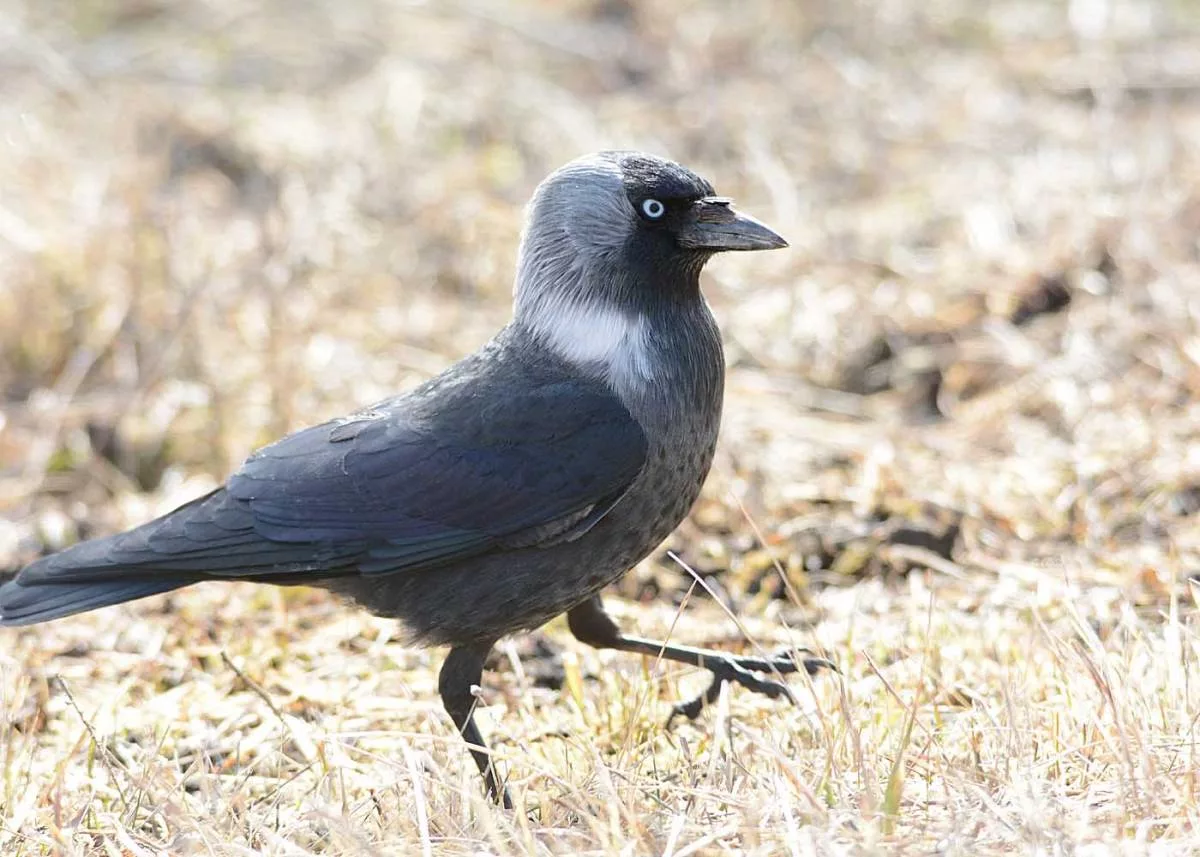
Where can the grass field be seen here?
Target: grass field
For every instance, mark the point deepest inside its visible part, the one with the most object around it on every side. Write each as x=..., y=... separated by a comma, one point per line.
x=961, y=452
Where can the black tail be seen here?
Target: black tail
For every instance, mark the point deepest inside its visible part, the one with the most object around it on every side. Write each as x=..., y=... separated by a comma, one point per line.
x=94, y=574
x=211, y=538
x=41, y=602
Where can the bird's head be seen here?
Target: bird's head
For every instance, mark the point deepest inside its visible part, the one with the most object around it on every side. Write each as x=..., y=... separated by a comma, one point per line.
x=614, y=237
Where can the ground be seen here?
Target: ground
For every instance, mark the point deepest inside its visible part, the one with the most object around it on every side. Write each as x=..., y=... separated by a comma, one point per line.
x=960, y=457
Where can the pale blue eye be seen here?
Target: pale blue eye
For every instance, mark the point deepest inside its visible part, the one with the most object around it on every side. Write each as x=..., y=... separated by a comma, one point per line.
x=653, y=209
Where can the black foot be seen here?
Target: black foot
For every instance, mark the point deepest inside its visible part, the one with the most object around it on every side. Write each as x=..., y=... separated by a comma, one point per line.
x=504, y=798
x=743, y=671
x=590, y=624
x=462, y=670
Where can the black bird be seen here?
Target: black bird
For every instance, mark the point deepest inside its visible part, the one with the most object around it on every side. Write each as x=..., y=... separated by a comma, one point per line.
x=512, y=487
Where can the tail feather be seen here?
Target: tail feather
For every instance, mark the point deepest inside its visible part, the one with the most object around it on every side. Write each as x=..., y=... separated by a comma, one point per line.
x=211, y=538
x=100, y=572
x=41, y=602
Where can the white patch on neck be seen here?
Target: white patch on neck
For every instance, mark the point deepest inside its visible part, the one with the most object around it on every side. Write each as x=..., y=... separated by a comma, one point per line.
x=596, y=336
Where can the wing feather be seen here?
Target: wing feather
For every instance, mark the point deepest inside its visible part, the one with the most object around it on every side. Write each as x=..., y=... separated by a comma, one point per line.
x=415, y=482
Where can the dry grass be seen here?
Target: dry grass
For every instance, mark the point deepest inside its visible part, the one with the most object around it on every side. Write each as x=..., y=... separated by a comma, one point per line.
x=962, y=418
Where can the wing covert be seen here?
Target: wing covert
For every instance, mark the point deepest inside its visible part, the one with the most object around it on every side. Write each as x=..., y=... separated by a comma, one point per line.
x=535, y=465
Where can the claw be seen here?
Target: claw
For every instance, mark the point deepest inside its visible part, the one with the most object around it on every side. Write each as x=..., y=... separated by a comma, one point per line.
x=814, y=665
x=742, y=671
x=691, y=709
x=731, y=670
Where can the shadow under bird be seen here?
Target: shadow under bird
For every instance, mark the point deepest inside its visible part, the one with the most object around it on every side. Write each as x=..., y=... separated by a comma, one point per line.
x=512, y=487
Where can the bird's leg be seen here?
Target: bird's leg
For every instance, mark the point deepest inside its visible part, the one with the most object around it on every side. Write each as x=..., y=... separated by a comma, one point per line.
x=463, y=669
x=592, y=625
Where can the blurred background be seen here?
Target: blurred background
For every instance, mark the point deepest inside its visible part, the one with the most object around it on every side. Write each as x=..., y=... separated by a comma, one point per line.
x=220, y=221
x=961, y=451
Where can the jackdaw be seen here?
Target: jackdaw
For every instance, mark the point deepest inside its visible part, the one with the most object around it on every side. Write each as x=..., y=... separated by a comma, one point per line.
x=510, y=488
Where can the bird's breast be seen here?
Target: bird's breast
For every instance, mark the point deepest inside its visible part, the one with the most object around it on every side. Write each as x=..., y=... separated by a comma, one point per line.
x=679, y=411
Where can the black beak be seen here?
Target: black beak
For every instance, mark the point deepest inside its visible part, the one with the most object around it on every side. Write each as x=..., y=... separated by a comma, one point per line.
x=713, y=225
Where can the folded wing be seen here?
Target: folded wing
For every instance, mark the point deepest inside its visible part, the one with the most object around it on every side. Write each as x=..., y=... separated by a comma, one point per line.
x=413, y=483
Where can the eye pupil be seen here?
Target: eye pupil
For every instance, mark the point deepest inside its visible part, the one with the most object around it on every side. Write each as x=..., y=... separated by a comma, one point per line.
x=653, y=209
